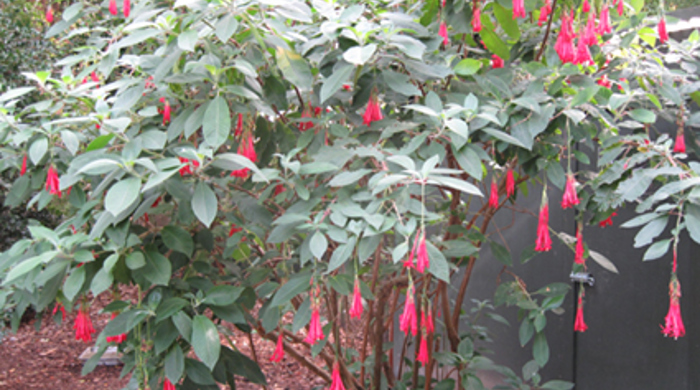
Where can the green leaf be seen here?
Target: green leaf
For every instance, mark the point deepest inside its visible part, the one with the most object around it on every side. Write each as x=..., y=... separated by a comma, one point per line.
x=177, y=239
x=38, y=149
x=335, y=82
x=468, y=67
x=169, y=307
x=135, y=260
x=122, y=195
x=558, y=384
x=15, y=93
x=492, y=41
x=240, y=364
x=294, y=286
x=348, y=177
x=692, y=221
x=657, y=250
x=438, y=264
x=216, y=125
x=527, y=330
x=506, y=20
x=457, y=184
x=226, y=27
x=205, y=340
x=341, y=254
x=187, y=40
x=222, y=295
x=294, y=68
x=318, y=245
x=359, y=55
x=540, y=349
x=584, y=96
x=28, y=265
x=501, y=253
x=158, y=269
x=204, y=204
x=643, y=115
x=99, y=142
x=466, y=348
x=74, y=283
x=232, y=162
x=174, y=364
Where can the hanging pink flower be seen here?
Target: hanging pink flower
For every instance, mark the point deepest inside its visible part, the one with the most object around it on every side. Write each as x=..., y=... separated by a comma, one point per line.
x=167, y=385
x=493, y=198
x=496, y=62
x=279, y=188
x=580, y=324
x=545, y=11
x=408, y=322
x=336, y=380
x=443, y=34
x=246, y=149
x=678, y=147
x=23, y=170
x=52, y=182
x=303, y=126
x=604, y=82
x=127, y=8
x=604, y=26
x=423, y=351
x=570, y=198
x=620, y=7
x=674, y=322
x=373, y=112
x=315, y=330
x=608, y=221
x=113, y=7
x=518, y=9
x=234, y=229
x=476, y=19
x=409, y=263
x=426, y=321
x=565, y=41
x=422, y=258
x=544, y=242
x=83, y=326
x=356, y=307
x=187, y=169
x=49, y=15
x=589, y=36
x=94, y=77
x=59, y=307
x=239, y=126
x=165, y=111
x=278, y=355
x=578, y=259
x=583, y=55
x=586, y=6
x=510, y=183
x=663, y=34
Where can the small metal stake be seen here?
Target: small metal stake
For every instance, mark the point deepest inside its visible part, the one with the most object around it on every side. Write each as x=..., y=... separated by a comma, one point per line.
x=582, y=277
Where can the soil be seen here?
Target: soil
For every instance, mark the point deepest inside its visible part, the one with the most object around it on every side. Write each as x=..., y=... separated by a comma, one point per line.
x=48, y=359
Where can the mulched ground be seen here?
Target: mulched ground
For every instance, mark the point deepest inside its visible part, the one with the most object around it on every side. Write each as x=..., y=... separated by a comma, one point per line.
x=48, y=359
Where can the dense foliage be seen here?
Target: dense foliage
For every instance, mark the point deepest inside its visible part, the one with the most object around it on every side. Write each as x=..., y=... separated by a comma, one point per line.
x=374, y=142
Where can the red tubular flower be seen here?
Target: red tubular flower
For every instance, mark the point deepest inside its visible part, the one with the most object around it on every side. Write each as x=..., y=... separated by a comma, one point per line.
x=239, y=126
x=52, y=182
x=565, y=41
x=408, y=263
x=589, y=36
x=356, y=307
x=94, y=77
x=674, y=322
x=278, y=355
x=496, y=62
x=187, y=169
x=127, y=8
x=620, y=7
x=49, y=15
x=493, y=198
x=586, y=6
x=336, y=380
x=604, y=26
x=83, y=326
x=663, y=34
x=578, y=259
x=347, y=87
x=518, y=9
x=167, y=385
x=423, y=351
x=476, y=19
x=24, y=166
x=166, y=111
x=544, y=242
x=279, y=188
x=247, y=150
x=608, y=221
x=580, y=324
x=544, y=13
x=510, y=183
x=113, y=7
x=303, y=126
x=604, y=82
x=570, y=198
x=426, y=321
x=423, y=260
x=678, y=147
x=56, y=308
x=315, y=330
x=443, y=34
x=408, y=321
x=234, y=229
x=118, y=338
x=373, y=112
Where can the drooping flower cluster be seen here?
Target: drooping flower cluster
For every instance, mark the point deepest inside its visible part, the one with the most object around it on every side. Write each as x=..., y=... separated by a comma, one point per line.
x=570, y=198
x=278, y=355
x=678, y=146
x=663, y=34
x=59, y=307
x=493, y=198
x=510, y=183
x=315, y=329
x=427, y=328
x=565, y=41
x=356, y=307
x=608, y=221
x=544, y=242
x=673, y=323
x=165, y=110
x=604, y=26
x=83, y=326
x=545, y=11
x=247, y=150
x=336, y=380
x=189, y=164
x=579, y=323
x=443, y=34
x=578, y=259
x=408, y=321
x=496, y=62
x=519, y=9
x=419, y=252
x=167, y=385
x=373, y=112
x=52, y=183
x=476, y=19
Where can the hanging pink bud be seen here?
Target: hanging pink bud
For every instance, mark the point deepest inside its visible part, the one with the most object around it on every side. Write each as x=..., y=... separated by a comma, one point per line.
x=24, y=166
x=544, y=242
x=113, y=7
x=423, y=351
x=315, y=330
x=373, y=112
x=166, y=110
x=336, y=380
x=83, y=326
x=580, y=324
x=674, y=322
x=565, y=41
x=570, y=198
x=52, y=182
x=426, y=321
x=518, y=9
x=583, y=55
x=408, y=322
x=278, y=355
x=586, y=6
x=476, y=19
x=409, y=263
x=663, y=34
x=678, y=147
x=578, y=259
x=604, y=26
x=443, y=34
x=589, y=36
x=356, y=307
x=49, y=15
x=493, y=198
x=496, y=62
x=545, y=11
x=422, y=258
x=127, y=8
x=510, y=183
x=239, y=126
x=620, y=7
